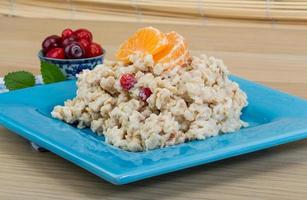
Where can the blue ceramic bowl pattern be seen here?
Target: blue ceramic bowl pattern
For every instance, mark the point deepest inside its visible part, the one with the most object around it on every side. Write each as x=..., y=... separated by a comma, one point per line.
x=72, y=67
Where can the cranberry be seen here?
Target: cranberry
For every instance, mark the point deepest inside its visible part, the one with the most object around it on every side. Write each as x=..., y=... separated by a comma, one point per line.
x=74, y=51
x=67, y=33
x=94, y=50
x=86, y=46
x=51, y=42
x=57, y=53
x=83, y=34
x=127, y=81
x=145, y=93
x=68, y=40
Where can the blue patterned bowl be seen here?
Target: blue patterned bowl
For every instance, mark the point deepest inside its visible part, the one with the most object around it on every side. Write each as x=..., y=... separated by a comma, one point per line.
x=71, y=67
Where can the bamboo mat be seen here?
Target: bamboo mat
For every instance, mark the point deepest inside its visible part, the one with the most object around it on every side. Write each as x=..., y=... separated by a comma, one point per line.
x=165, y=11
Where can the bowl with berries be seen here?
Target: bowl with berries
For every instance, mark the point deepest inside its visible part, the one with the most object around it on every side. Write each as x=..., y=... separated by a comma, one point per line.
x=72, y=52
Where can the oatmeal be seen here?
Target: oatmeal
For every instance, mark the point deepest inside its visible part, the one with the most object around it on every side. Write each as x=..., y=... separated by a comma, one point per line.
x=142, y=105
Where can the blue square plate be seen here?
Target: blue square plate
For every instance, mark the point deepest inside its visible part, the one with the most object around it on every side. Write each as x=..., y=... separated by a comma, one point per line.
x=274, y=117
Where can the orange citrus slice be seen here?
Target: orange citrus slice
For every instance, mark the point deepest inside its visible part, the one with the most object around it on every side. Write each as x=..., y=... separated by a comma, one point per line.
x=175, y=53
x=146, y=40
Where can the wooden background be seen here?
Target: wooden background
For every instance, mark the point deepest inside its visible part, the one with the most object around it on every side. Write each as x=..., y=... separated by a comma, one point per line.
x=272, y=54
x=163, y=11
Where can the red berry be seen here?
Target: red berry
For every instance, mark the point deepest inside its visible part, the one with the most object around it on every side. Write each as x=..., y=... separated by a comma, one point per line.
x=127, y=81
x=83, y=34
x=74, y=51
x=86, y=46
x=94, y=50
x=145, y=93
x=67, y=33
x=51, y=42
x=57, y=53
x=68, y=40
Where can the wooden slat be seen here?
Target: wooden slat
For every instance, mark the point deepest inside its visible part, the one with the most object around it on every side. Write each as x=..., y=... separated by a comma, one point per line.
x=179, y=11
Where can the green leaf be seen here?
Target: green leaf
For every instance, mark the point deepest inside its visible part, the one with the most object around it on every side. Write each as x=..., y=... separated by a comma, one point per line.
x=18, y=80
x=51, y=73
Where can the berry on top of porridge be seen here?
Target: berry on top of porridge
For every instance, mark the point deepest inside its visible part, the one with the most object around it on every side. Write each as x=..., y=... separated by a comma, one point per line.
x=155, y=95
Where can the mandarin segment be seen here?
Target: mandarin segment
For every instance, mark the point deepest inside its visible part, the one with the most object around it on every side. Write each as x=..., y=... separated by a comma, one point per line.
x=175, y=53
x=146, y=40
x=168, y=49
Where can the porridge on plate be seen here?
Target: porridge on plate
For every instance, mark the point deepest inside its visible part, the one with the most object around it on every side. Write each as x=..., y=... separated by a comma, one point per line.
x=141, y=104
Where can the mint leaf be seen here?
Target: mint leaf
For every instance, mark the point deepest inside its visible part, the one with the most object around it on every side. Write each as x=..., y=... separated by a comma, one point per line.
x=51, y=73
x=18, y=80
